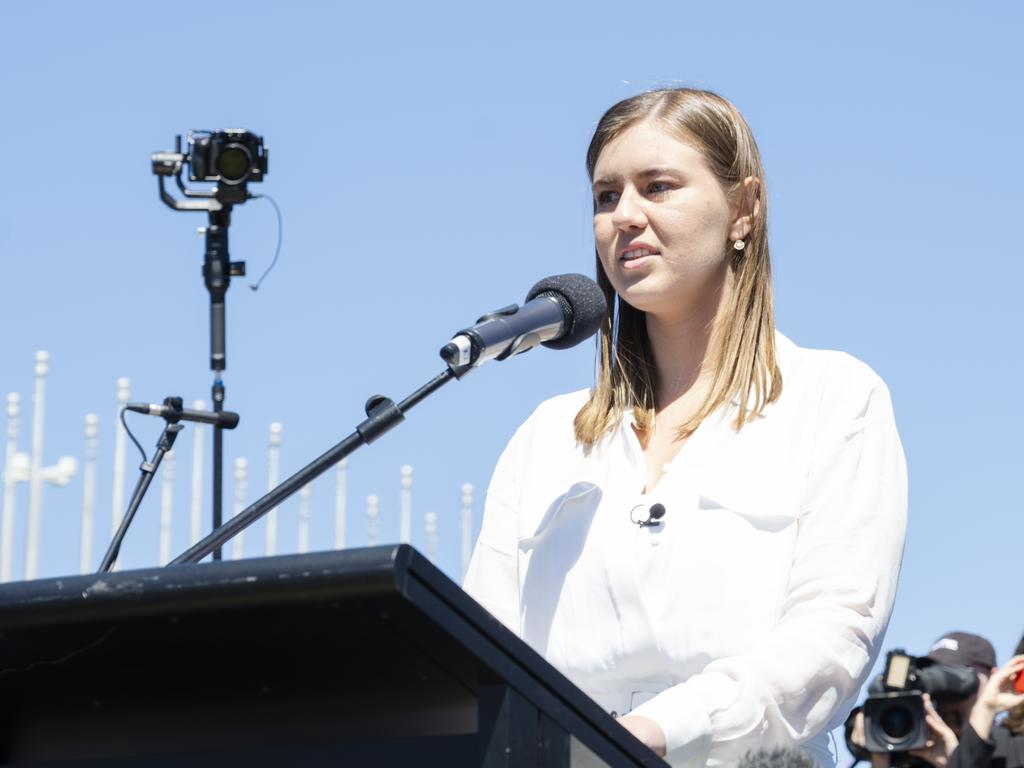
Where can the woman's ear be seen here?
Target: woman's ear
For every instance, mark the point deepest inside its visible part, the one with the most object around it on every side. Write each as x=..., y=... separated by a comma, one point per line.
x=747, y=208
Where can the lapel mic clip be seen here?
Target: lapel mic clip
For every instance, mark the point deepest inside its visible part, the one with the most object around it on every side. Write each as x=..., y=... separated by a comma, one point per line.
x=654, y=514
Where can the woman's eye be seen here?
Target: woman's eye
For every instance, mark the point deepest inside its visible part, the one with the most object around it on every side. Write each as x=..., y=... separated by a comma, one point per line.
x=658, y=187
x=607, y=197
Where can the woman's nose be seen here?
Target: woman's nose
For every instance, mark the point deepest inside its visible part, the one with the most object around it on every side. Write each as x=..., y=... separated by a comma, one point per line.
x=629, y=213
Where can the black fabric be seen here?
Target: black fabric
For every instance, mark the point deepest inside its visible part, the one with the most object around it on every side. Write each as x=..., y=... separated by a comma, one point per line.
x=1006, y=750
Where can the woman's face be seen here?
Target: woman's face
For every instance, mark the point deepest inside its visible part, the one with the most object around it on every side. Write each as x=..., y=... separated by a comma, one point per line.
x=662, y=223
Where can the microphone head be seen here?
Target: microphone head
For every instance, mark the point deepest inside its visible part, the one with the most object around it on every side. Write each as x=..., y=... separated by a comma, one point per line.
x=582, y=302
x=657, y=511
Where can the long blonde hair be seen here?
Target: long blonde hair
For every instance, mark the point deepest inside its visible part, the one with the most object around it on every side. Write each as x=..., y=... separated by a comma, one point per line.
x=747, y=369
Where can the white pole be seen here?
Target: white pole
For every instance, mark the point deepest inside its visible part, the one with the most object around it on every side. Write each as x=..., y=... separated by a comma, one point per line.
x=166, y=507
x=273, y=473
x=195, y=526
x=89, y=490
x=305, y=512
x=467, y=527
x=117, y=502
x=405, y=505
x=35, y=493
x=340, y=489
x=372, y=511
x=241, y=491
x=431, y=528
x=7, y=534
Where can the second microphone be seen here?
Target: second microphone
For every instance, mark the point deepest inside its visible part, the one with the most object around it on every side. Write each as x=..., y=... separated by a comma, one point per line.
x=172, y=412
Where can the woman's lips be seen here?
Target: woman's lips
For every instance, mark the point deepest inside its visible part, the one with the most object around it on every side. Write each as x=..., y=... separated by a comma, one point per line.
x=636, y=262
x=635, y=256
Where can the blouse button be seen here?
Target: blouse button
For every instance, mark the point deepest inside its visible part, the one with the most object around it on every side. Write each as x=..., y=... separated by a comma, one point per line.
x=613, y=713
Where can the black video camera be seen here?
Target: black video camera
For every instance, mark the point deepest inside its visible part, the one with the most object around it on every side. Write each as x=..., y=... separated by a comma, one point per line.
x=894, y=709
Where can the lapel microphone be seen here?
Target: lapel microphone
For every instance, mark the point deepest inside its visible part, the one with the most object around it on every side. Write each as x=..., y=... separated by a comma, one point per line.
x=654, y=514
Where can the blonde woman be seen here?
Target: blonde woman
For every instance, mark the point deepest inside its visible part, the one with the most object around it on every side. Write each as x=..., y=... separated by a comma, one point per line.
x=707, y=542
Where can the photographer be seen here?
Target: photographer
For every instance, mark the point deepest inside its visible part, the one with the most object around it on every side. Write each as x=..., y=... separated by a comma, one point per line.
x=983, y=742
x=946, y=711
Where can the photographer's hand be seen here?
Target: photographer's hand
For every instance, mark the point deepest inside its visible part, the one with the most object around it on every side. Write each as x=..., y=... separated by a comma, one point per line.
x=857, y=732
x=941, y=739
x=996, y=696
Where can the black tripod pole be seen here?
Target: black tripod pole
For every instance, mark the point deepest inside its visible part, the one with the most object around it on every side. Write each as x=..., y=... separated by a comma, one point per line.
x=147, y=471
x=217, y=272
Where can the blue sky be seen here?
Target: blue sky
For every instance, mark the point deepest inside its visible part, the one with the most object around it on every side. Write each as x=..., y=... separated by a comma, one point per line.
x=428, y=159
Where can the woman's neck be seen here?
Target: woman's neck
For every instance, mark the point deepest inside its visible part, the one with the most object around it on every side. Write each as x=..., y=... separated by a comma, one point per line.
x=684, y=348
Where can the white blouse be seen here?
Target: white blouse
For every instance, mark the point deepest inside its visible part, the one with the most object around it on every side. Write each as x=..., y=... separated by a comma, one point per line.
x=752, y=614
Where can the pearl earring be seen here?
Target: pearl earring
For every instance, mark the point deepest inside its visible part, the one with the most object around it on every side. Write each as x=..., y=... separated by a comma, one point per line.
x=739, y=245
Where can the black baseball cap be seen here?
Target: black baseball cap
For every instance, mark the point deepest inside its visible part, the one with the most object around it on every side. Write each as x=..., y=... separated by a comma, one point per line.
x=963, y=649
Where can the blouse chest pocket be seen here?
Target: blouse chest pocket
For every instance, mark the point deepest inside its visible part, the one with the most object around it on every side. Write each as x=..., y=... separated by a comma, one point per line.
x=766, y=502
x=572, y=509
x=551, y=541
x=736, y=550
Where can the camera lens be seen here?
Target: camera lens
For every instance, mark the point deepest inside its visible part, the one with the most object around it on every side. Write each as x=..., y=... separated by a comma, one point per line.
x=234, y=163
x=896, y=723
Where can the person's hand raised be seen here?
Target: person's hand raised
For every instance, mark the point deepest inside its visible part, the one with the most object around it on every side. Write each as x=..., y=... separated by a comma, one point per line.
x=997, y=695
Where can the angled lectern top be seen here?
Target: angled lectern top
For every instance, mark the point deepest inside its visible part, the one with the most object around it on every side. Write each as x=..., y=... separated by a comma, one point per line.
x=360, y=657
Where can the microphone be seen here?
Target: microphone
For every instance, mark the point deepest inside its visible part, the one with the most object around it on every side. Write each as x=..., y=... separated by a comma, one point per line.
x=560, y=312
x=173, y=414
x=654, y=514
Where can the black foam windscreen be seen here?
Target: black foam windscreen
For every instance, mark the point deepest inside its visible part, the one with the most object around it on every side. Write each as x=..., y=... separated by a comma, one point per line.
x=581, y=299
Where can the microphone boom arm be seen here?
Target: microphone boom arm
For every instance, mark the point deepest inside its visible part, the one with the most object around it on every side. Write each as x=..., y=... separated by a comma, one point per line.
x=382, y=415
x=560, y=312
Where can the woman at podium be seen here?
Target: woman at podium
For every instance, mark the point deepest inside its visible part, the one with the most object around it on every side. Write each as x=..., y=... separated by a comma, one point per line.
x=707, y=541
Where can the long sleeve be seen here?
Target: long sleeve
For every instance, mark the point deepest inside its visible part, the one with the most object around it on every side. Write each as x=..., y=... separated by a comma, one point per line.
x=492, y=577
x=791, y=683
x=972, y=751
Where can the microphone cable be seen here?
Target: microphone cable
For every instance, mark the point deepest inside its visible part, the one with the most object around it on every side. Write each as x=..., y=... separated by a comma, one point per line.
x=280, y=237
x=124, y=424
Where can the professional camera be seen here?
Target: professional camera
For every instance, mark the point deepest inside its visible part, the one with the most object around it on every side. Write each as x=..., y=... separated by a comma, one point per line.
x=894, y=710
x=232, y=156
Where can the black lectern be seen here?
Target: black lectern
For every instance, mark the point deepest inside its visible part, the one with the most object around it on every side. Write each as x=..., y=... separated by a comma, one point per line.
x=363, y=657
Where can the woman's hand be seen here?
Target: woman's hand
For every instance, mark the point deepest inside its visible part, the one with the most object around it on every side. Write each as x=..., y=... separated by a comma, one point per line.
x=648, y=731
x=941, y=739
x=996, y=696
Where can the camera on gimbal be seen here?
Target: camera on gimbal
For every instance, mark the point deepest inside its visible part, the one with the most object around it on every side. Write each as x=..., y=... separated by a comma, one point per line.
x=894, y=709
x=232, y=156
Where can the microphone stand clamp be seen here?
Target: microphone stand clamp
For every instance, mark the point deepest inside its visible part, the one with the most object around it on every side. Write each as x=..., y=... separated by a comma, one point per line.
x=147, y=471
